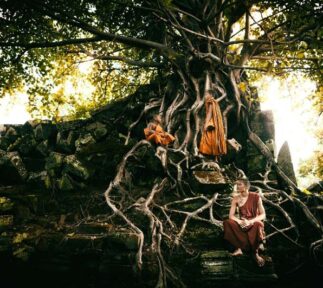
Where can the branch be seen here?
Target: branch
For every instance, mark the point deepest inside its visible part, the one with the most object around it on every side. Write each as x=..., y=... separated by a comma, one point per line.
x=181, y=29
x=245, y=67
x=188, y=14
x=51, y=44
x=116, y=183
x=140, y=43
x=258, y=22
x=129, y=61
x=282, y=232
x=194, y=214
x=149, y=106
x=274, y=57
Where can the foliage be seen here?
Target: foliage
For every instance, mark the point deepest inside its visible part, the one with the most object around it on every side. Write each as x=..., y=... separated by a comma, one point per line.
x=313, y=166
x=43, y=71
x=43, y=42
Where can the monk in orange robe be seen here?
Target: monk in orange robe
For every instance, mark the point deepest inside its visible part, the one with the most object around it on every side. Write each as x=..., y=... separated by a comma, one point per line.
x=213, y=140
x=246, y=233
x=156, y=134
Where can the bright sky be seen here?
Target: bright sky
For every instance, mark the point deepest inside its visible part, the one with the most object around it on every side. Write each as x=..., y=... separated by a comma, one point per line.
x=293, y=114
x=13, y=109
x=294, y=118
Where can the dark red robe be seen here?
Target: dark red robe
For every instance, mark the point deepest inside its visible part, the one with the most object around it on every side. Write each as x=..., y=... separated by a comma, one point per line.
x=250, y=238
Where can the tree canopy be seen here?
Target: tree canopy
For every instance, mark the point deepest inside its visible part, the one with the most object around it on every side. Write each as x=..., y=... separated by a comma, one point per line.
x=130, y=42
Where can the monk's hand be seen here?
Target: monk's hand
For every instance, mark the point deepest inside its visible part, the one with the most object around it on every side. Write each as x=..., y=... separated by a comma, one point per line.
x=245, y=223
x=242, y=223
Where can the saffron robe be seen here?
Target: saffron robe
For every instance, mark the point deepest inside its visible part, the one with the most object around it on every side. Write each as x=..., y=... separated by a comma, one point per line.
x=213, y=140
x=158, y=135
x=248, y=238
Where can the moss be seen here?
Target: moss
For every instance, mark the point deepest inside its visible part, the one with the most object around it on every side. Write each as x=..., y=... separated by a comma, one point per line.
x=6, y=220
x=5, y=204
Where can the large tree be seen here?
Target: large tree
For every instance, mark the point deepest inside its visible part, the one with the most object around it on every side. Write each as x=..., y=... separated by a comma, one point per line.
x=188, y=47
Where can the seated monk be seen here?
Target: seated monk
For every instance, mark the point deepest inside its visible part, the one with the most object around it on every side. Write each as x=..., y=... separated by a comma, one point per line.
x=156, y=134
x=246, y=233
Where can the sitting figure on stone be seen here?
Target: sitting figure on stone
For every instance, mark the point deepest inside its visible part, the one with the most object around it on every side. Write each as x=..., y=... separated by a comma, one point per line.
x=213, y=139
x=155, y=133
x=246, y=232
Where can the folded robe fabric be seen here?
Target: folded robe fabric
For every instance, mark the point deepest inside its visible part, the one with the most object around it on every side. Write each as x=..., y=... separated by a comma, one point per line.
x=155, y=133
x=213, y=141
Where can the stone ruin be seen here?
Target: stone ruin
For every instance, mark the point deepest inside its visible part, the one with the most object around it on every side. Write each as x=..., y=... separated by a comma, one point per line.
x=52, y=179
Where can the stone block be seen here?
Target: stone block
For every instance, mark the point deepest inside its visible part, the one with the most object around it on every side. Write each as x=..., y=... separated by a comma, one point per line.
x=18, y=164
x=75, y=167
x=54, y=161
x=39, y=179
x=83, y=143
x=42, y=148
x=6, y=221
x=44, y=131
x=284, y=160
x=5, y=204
x=65, y=183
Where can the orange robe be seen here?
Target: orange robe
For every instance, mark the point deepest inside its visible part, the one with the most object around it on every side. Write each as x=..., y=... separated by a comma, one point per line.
x=248, y=238
x=159, y=136
x=213, y=140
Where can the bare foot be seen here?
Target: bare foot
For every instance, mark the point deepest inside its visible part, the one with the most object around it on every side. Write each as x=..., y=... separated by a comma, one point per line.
x=259, y=260
x=237, y=252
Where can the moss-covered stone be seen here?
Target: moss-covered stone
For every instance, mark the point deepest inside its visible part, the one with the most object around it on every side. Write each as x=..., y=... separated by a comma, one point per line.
x=127, y=240
x=65, y=184
x=54, y=161
x=5, y=204
x=18, y=164
x=39, y=179
x=43, y=148
x=75, y=167
x=100, y=132
x=27, y=144
x=210, y=177
x=83, y=143
x=11, y=134
x=4, y=143
x=5, y=221
x=44, y=131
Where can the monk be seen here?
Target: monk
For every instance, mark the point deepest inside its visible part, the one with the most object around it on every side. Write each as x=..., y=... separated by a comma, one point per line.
x=246, y=233
x=156, y=134
x=213, y=140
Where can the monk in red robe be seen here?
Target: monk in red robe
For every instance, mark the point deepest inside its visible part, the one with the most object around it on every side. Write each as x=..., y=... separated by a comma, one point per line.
x=246, y=233
x=213, y=140
x=156, y=134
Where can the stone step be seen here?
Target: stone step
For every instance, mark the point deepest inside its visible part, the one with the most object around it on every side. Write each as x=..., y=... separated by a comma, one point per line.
x=93, y=228
x=6, y=190
x=219, y=265
x=216, y=265
x=246, y=270
x=119, y=240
